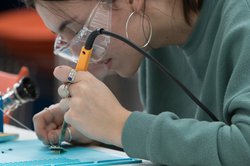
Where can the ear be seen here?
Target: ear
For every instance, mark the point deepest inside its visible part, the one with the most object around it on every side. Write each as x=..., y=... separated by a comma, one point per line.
x=138, y=5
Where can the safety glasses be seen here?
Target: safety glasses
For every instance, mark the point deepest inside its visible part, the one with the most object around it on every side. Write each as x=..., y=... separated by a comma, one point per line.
x=100, y=17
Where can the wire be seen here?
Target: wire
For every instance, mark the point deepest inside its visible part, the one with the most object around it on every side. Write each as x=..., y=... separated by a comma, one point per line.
x=157, y=63
x=15, y=120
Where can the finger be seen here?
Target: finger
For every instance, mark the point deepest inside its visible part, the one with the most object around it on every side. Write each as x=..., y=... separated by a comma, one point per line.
x=73, y=135
x=66, y=74
x=40, y=123
x=63, y=90
x=44, y=121
x=53, y=136
x=64, y=104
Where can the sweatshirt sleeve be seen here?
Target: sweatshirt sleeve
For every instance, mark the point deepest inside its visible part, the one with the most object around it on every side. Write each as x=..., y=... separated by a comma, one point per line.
x=166, y=139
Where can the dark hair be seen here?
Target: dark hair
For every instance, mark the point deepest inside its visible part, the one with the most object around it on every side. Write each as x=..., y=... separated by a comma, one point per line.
x=188, y=6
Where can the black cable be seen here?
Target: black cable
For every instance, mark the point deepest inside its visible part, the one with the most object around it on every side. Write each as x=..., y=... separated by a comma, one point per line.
x=94, y=34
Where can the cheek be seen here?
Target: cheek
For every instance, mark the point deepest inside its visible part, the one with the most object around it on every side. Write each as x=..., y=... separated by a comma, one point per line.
x=119, y=22
x=126, y=64
x=125, y=60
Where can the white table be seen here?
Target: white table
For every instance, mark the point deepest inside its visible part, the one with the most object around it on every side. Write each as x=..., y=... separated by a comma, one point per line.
x=30, y=135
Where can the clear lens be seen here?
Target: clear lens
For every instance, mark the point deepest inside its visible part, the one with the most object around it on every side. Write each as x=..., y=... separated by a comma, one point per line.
x=62, y=49
x=99, y=18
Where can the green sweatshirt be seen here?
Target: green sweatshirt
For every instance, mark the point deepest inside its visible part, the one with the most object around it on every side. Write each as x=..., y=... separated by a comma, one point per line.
x=215, y=65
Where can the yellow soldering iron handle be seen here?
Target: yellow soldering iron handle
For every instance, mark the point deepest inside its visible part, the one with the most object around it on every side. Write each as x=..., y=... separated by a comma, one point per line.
x=82, y=65
x=83, y=61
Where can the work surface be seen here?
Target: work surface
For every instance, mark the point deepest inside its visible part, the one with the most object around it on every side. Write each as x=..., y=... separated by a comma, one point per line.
x=27, y=150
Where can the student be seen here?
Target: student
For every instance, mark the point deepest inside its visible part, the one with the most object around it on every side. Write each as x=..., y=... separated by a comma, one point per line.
x=204, y=43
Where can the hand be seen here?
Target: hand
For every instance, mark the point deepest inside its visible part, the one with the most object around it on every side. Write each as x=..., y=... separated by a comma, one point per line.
x=93, y=109
x=47, y=124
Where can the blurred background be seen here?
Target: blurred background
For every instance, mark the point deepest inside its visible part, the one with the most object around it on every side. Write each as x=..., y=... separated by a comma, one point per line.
x=25, y=41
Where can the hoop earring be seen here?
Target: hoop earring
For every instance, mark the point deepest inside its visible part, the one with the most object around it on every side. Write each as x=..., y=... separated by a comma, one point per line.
x=150, y=31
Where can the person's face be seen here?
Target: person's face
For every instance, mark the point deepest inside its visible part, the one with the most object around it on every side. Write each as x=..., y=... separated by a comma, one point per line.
x=120, y=58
